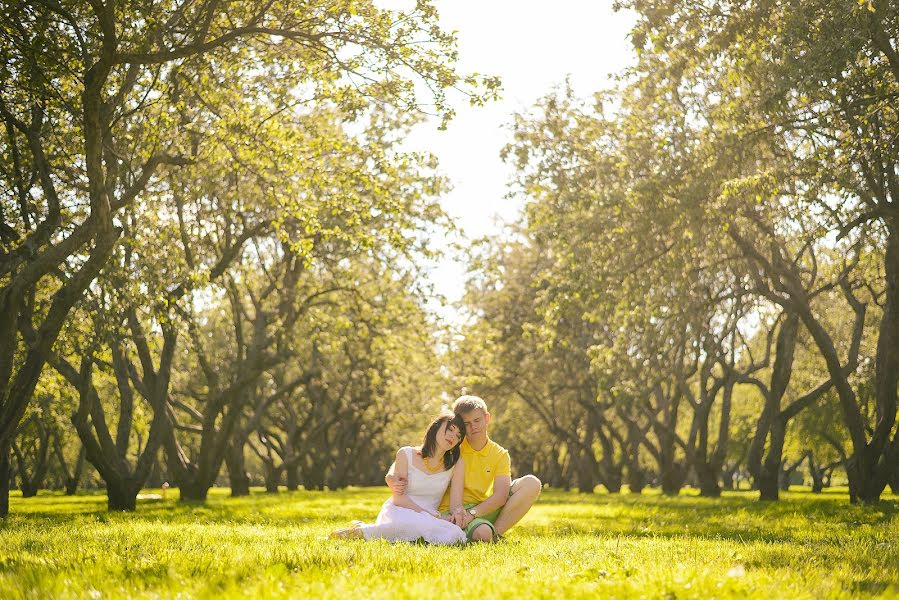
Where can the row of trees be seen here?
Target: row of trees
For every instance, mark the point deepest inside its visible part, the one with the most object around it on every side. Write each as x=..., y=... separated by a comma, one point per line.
x=706, y=283
x=208, y=235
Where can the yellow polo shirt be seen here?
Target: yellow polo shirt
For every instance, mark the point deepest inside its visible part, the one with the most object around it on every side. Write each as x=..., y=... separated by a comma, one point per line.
x=481, y=468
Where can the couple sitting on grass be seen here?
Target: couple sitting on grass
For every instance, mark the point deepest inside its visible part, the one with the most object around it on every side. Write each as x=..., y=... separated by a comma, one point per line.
x=457, y=487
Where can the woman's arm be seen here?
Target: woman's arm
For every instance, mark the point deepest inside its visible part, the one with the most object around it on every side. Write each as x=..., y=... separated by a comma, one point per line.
x=396, y=485
x=401, y=470
x=457, y=485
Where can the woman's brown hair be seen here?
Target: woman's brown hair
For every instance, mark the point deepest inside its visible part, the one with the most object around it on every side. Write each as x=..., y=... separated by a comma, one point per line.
x=429, y=444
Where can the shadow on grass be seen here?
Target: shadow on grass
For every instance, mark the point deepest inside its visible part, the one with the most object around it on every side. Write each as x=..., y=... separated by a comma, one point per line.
x=260, y=506
x=800, y=517
x=830, y=505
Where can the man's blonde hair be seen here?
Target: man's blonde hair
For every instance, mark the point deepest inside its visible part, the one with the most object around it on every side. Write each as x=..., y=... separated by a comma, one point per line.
x=465, y=404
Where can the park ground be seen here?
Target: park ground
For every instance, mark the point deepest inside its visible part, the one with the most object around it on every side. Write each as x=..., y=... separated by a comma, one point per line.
x=571, y=545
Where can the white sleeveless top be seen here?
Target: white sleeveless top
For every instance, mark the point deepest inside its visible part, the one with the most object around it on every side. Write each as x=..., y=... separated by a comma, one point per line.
x=426, y=489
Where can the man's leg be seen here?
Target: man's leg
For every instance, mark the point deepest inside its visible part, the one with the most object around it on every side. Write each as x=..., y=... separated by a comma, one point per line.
x=482, y=533
x=524, y=493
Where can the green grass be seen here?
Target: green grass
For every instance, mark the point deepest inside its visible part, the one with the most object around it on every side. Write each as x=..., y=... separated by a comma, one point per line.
x=571, y=545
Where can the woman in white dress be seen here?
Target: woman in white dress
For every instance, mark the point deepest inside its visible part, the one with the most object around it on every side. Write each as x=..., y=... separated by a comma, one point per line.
x=429, y=469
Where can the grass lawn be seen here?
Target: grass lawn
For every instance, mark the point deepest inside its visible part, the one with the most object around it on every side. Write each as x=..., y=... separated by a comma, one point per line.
x=570, y=545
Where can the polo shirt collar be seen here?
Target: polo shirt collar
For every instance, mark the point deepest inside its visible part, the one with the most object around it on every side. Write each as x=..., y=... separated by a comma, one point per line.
x=483, y=451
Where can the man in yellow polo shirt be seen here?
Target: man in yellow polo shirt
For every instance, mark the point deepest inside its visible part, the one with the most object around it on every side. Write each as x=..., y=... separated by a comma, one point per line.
x=493, y=503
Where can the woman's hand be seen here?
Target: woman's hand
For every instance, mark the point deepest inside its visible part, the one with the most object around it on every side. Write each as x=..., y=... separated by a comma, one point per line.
x=397, y=485
x=462, y=518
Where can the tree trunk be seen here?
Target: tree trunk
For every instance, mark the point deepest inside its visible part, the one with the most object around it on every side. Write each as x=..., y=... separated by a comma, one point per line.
x=894, y=481
x=586, y=474
x=194, y=491
x=28, y=489
x=74, y=479
x=5, y=472
x=16, y=393
x=32, y=484
x=707, y=476
x=556, y=469
x=72, y=486
x=611, y=472
x=272, y=479
x=613, y=480
x=818, y=473
x=781, y=374
x=883, y=456
x=636, y=475
x=119, y=497
x=787, y=474
x=864, y=484
x=860, y=469
x=769, y=476
x=728, y=476
x=672, y=473
x=636, y=478
x=155, y=479
x=672, y=478
x=237, y=471
x=314, y=468
x=768, y=487
x=293, y=478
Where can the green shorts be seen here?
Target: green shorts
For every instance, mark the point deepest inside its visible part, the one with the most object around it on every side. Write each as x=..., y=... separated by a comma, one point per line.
x=489, y=519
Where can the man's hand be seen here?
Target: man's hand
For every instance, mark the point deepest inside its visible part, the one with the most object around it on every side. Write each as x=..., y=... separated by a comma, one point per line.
x=462, y=517
x=397, y=485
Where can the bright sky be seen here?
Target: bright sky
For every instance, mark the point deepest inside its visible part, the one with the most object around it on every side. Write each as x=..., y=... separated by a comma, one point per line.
x=532, y=46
